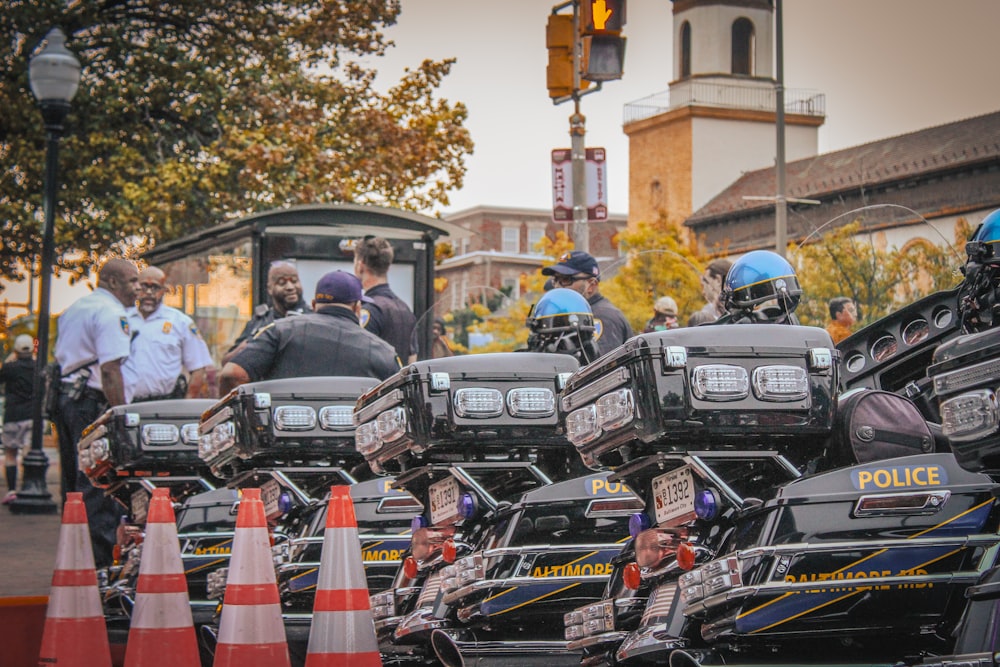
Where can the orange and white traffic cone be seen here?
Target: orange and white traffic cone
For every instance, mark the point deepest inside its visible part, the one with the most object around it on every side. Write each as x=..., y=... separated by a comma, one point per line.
x=162, y=630
x=251, y=631
x=343, y=630
x=75, y=634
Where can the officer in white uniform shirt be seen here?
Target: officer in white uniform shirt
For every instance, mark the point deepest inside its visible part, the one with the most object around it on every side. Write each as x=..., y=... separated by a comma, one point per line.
x=93, y=342
x=165, y=342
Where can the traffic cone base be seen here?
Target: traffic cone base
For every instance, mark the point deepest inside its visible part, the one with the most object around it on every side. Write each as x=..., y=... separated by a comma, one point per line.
x=343, y=630
x=161, y=633
x=75, y=634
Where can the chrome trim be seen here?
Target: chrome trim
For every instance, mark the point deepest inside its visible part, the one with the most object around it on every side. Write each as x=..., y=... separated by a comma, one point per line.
x=595, y=389
x=379, y=405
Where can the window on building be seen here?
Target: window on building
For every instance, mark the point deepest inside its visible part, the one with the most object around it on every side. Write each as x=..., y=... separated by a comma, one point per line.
x=685, y=50
x=534, y=238
x=512, y=239
x=514, y=285
x=743, y=46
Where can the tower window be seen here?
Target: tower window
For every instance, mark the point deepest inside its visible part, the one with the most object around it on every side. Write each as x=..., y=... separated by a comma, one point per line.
x=743, y=46
x=685, y=50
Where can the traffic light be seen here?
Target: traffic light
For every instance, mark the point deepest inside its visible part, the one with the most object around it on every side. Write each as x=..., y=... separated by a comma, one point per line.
x=601, y=23
x=560, y=40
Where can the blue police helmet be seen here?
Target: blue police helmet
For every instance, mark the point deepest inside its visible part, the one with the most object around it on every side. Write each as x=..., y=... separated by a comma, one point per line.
x=983, y=245
x=561, y=310
x=758, y=277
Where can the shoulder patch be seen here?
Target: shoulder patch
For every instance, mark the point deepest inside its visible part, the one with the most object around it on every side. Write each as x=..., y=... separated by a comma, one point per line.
x=598, y=328
x=194, y=330
x=263, y=329
x=167, y=326
x=364, y=318
x=124, y=322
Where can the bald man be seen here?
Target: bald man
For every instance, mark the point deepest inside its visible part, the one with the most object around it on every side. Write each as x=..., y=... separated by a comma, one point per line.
x=165, y=344
x=93, y=342
x=285, y=292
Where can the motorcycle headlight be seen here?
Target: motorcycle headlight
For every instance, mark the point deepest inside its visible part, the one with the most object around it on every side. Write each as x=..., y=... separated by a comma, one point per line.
x=720, y=382
x=970, y=416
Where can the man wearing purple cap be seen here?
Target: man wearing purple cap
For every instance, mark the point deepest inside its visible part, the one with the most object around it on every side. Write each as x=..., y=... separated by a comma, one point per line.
x=579, y=272
x=328, y=341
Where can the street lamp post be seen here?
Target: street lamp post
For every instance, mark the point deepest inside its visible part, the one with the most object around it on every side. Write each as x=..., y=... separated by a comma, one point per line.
x=54, y=75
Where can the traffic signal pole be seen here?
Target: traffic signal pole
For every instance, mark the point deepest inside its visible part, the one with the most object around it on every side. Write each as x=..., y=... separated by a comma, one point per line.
x=585, y=51
x=578, y=150
x=578, y=147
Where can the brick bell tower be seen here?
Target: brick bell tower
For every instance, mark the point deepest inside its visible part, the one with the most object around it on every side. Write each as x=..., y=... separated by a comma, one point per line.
x=718, y=117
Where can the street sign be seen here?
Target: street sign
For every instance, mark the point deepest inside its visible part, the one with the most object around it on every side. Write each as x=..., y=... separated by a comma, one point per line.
x=562, y=185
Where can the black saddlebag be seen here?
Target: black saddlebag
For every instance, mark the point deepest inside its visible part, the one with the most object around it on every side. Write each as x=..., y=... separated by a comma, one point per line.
x=873, y=425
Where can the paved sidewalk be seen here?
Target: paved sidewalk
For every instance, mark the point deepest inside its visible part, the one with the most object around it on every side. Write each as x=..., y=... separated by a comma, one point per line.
x=28, y=542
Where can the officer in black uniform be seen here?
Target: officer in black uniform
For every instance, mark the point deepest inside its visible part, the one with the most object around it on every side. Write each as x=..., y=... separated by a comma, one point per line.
x=387, y=316
x=285, y=292
x=328, y=341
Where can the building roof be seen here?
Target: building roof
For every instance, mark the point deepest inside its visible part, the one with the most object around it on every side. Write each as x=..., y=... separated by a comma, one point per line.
x=914, y=156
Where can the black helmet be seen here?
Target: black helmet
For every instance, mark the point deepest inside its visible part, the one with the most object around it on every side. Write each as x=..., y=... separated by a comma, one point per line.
x=757, y=278
x=980, y=299
x=562, y=321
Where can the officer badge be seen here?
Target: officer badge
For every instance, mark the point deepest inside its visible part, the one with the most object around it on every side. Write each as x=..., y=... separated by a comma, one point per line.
x=598, y=328
x=167, y=326
x=124, y=322
x=364, y=317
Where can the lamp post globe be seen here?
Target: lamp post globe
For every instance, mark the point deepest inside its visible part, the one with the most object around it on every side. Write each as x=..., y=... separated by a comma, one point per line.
x=54, y=76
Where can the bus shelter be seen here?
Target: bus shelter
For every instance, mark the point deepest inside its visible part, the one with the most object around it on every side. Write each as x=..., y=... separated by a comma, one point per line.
x=219, y=275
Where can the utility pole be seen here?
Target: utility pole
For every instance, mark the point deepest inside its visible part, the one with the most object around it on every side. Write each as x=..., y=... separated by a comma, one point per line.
x=780, y=203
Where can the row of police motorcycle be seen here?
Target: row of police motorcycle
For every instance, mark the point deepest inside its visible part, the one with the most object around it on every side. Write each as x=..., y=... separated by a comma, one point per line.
x=737, y=493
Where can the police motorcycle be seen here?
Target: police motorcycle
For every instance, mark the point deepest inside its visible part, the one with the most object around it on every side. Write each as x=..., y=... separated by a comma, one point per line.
x=475, y=439
x=293, y=439
x=129, y=451
x=782, y=525
x=963, y=375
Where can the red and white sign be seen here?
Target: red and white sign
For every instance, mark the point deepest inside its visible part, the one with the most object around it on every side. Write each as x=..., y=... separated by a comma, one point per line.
x=562, y=185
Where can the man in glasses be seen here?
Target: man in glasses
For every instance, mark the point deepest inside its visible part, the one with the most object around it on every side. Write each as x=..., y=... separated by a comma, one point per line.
x=578, y=271
x=165, y=343
x=284, y=289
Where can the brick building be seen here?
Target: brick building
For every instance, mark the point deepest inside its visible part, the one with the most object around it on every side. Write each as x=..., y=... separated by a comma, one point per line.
x=502, y=246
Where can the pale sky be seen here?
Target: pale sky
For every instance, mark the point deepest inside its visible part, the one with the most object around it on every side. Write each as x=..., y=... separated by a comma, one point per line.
x=887, y=67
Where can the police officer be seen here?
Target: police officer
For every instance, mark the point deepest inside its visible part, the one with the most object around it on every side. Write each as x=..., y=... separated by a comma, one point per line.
x=387, y=316
x=165, y=342
x=578, y=271
x=329, y=341
x=285, y=292
x=93, y=342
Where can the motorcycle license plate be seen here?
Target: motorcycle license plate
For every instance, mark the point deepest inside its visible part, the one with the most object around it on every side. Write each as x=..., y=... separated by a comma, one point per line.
x=444, y=500
x=270, y=493
x=673, y=497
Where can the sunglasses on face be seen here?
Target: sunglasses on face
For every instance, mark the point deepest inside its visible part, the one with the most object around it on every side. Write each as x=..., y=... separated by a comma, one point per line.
x=150, y=287
x=566, y=281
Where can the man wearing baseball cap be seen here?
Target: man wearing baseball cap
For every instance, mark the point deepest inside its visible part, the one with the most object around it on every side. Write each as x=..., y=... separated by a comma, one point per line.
x=327, y=341
x=578, y=271
x=664, y=315
x=17, y=377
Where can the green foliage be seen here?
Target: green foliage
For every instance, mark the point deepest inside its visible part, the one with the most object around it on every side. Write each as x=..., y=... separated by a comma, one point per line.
x=879, y=278
x=194, y=111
